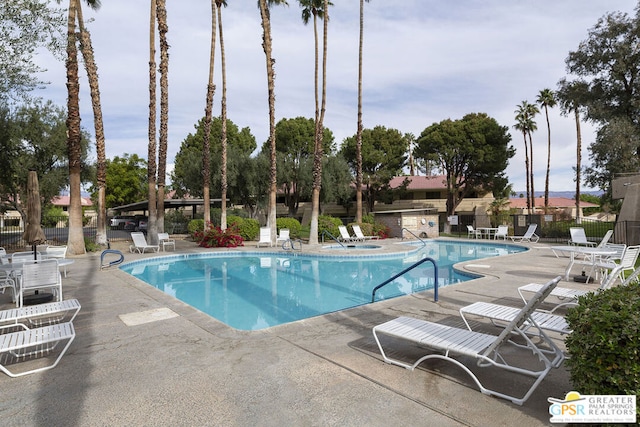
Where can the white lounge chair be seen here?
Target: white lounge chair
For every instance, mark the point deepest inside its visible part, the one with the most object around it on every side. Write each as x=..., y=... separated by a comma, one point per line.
x=345, y=236
x=502, y=232
x=140, y=244
x=283, y=236
x=40, y=275
x=569, y=296
x=606, y=238
x=30, y=343
x=265, y=237
x=360, y=235
x=578, y=237
x=505, y=314
x=38, y=315
x=484, y=347
x=165, y=240
x=529, y=236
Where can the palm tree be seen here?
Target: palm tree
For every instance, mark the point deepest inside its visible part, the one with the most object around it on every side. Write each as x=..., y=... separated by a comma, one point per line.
x=569, y=95
x=522, y=126
x=359, y=125
x=267, y=47
x=75, y=240
x=151, y=152
x=317, y=9
x=525, y=124
x=164, y=119
x=206, y=144
x=92, y=74
x=547, y=99
x=223, y=118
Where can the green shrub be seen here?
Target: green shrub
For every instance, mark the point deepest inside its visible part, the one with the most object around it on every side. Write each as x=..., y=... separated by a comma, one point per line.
x=51, y=215
x=605, y=343
x=292, y=224
x=329, y=224
x=194, y=226
x=367, y=219
x=248, y=228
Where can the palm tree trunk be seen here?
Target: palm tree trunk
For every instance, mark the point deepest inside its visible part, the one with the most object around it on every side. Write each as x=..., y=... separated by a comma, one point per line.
x=75, y=241
x=273, y=178
x=533, y=194
x=359, y=125
x=223, y=131
x=206, y=144
x=151, y=158
x=526, y=165
x=318, y=131
x=578, y=163
x=163, y=28
x=546, y=180
x=101, y=169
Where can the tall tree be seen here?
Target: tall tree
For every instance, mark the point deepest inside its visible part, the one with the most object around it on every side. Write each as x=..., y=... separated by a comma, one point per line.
x=92, y=74
x=525, y=123
x=163, y=28
x=25, y=26
x=359, y=124
x=223, y=119
x=571, y=96
x=384, y=154
x=268, y=53
x=208, y=113
x=152, y=146
x=75, y=240
x=317, y=9
x=473, y=153
x=604, y=75
x=547, y=99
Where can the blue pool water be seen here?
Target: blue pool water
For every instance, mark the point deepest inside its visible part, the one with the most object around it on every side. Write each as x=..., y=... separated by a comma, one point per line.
x=256, y=290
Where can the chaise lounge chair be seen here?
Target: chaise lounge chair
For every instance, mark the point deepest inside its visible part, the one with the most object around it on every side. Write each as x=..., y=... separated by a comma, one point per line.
x=283, y=236
x=578, y=237
x=360, y=235
x=345, y=236
x=140, y=244
x=37, y=315
x=529, y=236
x=505, y=314
x=485, y=348
x=27, y=344
x=569, y=296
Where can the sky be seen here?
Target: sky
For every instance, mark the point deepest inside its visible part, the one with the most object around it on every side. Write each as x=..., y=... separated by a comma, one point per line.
x=424, y=61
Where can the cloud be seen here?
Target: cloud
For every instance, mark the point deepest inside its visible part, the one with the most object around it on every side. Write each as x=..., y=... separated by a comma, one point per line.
x=424, y=61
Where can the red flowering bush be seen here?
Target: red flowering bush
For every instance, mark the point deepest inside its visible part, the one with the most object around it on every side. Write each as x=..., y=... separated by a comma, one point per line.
x=214, y=237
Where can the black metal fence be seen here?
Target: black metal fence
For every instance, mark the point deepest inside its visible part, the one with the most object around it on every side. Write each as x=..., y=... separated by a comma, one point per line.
x=555, y=229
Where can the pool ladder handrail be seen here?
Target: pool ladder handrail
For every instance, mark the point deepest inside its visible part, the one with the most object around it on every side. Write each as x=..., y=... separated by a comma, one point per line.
x=411, y=267
x=413, y=234
x=326, y=232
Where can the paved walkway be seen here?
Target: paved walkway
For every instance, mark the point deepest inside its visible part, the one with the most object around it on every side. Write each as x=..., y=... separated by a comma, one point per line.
x=326, y=371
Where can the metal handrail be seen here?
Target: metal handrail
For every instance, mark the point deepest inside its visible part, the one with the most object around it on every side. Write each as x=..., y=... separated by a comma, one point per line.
x=411, y=267
x=332, y=236
x=412, y=233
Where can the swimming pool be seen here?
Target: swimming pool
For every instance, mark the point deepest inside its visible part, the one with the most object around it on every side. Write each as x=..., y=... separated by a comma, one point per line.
x=254, y=290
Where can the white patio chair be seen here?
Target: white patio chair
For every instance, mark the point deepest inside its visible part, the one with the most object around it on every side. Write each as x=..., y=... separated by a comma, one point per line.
x=360, y=235
x=165, y=240
x=472, y=232
x=40, y=275
x=59, y=253
x=283, y=236
x=140, y=244
x=265, y=237
x=502, y=232
x=486, y=349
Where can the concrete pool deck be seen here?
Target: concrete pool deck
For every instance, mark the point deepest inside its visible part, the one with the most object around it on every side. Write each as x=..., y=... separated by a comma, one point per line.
x=141, y=357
